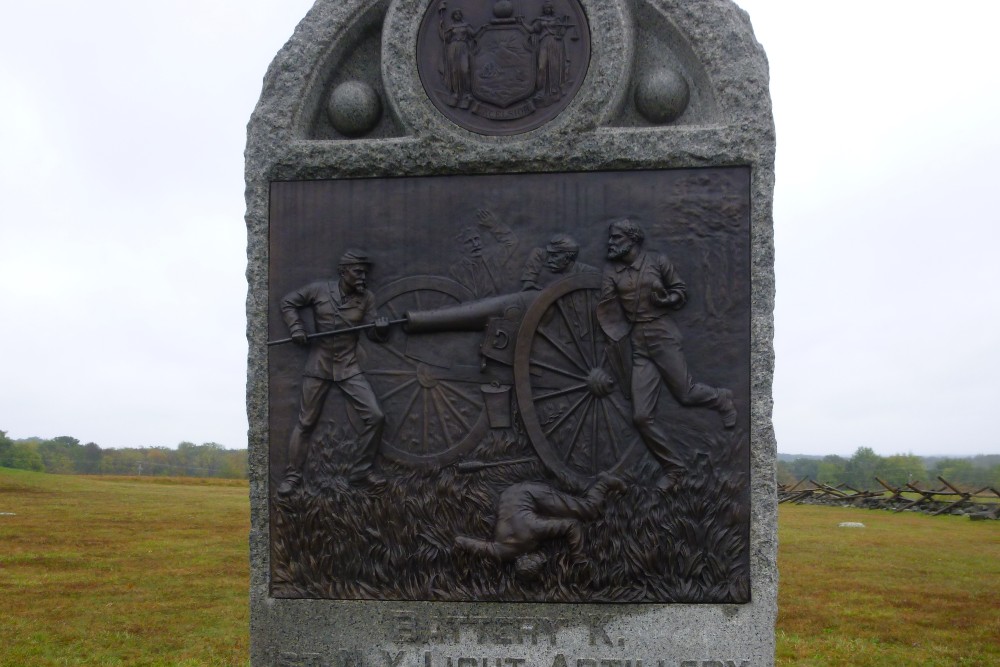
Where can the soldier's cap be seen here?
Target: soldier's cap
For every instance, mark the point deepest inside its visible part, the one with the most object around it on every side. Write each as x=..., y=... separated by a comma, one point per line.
x=562, y=243
x=354, y=256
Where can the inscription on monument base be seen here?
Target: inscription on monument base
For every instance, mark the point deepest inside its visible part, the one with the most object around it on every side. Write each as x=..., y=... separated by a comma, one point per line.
x=344, y=658
x=470, y=640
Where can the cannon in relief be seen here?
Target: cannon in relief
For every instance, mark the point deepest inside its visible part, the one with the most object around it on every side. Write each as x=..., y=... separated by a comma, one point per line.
x=447, y=377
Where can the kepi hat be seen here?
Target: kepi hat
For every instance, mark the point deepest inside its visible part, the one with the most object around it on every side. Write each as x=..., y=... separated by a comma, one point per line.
x=354, y=256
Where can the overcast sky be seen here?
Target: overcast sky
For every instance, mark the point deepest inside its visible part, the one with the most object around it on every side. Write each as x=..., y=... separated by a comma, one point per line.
x=122, y=245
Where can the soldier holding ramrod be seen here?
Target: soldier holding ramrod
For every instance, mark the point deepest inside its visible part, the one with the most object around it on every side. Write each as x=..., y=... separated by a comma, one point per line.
x=336, y=304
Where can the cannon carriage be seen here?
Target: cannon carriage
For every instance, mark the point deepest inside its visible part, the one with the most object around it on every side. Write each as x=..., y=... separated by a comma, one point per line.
x=535, y=360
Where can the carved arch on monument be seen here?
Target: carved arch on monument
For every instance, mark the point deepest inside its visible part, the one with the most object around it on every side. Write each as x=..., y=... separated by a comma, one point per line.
x=352, y=56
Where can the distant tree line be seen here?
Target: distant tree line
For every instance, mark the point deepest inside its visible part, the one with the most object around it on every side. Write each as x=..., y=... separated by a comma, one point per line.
x=65, y=455
x=865, y=465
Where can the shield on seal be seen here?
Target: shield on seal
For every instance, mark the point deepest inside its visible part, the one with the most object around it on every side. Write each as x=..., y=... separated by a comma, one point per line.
x=503, y=65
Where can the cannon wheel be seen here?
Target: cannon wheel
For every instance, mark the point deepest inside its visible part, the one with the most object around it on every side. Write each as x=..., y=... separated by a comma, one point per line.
x=432, y=416
x=572, y=406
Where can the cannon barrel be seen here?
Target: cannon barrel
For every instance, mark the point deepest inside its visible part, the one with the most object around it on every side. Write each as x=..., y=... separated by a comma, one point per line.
x=467, y=316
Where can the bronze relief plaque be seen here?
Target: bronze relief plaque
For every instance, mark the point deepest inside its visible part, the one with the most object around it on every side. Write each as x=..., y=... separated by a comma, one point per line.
x=527, y=387
x=503, y=67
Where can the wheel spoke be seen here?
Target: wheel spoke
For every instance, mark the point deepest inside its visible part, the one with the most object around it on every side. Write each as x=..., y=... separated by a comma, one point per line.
x=615, y=449
x=566, y=414
x=560, y=392
x=572, y=332
x=561, y=350
x=454, y=411
x=392, y=392
x=404, y=413
x=618, y=410
x=440, y=416
x=399, y=355
x=465, y=398
x=594, y=448
x=427, y=419
x=575, y=437
x=556, y=369
x=592, y=325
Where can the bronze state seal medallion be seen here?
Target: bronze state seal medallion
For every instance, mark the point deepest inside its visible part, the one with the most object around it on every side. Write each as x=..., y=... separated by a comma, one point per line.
x=503, y=67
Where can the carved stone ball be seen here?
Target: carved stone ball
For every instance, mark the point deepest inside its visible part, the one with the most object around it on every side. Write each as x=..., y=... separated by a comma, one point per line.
x=662, y=95
x=354, y=108
x=503, y=9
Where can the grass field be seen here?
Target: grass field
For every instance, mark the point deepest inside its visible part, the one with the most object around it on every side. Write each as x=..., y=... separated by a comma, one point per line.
x=122, y=571
x=908, y=589
x=128, y=571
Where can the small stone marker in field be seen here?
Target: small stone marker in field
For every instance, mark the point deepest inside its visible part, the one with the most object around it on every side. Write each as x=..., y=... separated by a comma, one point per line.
x=850, y=524
x=510, y=321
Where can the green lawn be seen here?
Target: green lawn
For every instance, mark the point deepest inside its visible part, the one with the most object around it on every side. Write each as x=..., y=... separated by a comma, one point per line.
x=908, y=589
x=128, y=571
x=122, y=571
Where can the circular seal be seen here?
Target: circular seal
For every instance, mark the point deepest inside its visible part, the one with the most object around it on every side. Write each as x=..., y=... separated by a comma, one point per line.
x=504, y=67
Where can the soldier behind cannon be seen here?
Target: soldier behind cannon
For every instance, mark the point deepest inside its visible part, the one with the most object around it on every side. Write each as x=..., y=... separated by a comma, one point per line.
x=554, y=261
x=483, y=270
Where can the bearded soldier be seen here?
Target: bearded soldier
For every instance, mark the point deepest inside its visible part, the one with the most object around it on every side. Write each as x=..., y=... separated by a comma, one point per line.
x=639, y=290
x=335, y=304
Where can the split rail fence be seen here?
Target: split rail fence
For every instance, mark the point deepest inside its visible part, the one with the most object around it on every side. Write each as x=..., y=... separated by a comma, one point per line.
x=983, y=503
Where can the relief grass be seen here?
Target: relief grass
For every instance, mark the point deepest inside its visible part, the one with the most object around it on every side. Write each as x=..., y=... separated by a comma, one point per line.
x=333, y=540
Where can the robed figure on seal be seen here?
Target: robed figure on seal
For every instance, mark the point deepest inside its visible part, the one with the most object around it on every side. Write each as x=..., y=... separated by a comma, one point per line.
x=550, y=77
x=457, y=39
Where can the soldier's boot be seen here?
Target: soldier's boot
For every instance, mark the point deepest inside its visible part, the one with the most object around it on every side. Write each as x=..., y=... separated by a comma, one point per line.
x=292, y=481
x=726, y=408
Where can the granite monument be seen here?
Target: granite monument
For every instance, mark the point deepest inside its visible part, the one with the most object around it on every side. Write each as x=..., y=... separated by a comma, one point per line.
x=510, y=319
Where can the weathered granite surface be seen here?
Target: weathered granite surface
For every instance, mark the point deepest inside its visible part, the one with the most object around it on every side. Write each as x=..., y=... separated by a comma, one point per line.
x=727, y=121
